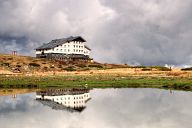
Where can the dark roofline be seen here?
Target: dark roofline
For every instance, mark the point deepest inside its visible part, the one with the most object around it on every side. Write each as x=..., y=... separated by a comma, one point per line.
x=87, y=47
x=56, y=42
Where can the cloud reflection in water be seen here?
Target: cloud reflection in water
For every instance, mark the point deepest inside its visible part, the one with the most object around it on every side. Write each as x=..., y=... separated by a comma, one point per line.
x=109, y=108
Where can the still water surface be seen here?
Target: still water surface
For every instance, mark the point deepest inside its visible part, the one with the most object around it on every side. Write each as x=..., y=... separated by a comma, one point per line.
x=107, y=108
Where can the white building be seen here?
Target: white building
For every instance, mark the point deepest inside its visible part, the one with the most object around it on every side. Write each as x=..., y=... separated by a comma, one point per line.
x=71, y=47
x=70, y=98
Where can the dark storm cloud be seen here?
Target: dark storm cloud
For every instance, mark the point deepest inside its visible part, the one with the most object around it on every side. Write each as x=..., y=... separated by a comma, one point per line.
x=147, y=32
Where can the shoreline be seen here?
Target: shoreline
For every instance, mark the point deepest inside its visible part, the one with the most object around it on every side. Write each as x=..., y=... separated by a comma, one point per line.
x=100, y=80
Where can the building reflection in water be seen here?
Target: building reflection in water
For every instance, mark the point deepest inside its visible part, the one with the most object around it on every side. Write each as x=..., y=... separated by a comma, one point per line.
x=64, y=99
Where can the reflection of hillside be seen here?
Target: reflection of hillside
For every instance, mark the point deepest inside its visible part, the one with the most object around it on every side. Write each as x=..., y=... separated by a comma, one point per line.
x=64, y=99
x=6, y=92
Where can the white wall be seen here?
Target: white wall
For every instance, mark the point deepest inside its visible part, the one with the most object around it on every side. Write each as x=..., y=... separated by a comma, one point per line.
x=87, y=52
x=73, y=47
x=69, y=100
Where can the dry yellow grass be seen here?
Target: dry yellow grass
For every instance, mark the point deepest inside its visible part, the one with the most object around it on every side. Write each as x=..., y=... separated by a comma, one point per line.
x=8, y=62
x=6, y=92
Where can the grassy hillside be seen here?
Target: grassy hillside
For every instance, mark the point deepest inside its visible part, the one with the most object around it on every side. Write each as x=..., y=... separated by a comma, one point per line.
x=24, y=64
x=47, y=73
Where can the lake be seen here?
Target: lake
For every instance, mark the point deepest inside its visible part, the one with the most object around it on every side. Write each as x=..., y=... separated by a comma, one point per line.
x=98, y=108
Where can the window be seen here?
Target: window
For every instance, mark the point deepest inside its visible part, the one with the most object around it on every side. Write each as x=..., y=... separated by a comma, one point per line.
x=68, y=50
x=73, y=50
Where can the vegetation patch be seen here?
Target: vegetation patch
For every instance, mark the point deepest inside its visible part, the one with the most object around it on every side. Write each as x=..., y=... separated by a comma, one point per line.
x=5, y=64
x=92, y=81
x=187, y=69
x=146, y=69
x=34, y=64
x=70, y=69
x=81, y=65
x=161, y=68
x=95, y=66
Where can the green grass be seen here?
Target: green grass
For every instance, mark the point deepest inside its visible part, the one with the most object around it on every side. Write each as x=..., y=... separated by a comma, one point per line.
x=95, y=81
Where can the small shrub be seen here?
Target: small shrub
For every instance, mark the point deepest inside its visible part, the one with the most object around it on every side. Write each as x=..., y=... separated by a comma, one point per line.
x=187, y=69
x=96, y=66
x=85, y=69
x=34, y=65
x=161, y=68
x=45, y=68
x=146, y=69
x=81, y=65
x=9, y=58
x=69, y=69
x=60, y=66
x=5, y=64
x=18, y=66
x=138, y=67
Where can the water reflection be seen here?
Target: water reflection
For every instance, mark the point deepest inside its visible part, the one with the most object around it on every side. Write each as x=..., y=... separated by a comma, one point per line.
x=64, y=99
x=108, y=108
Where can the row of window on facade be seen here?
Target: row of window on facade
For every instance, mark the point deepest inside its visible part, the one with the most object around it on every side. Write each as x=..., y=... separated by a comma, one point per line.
x=74, y=50
x=80, y=97
x=65, y=103
x=76, y=42
x=75, y=46
x=75, y=102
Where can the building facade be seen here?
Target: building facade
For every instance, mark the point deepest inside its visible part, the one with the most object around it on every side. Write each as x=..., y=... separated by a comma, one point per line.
x=71, y=98
x=66, y=48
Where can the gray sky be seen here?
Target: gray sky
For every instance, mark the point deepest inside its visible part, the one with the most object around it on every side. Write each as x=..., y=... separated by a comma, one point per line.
x=146, y=32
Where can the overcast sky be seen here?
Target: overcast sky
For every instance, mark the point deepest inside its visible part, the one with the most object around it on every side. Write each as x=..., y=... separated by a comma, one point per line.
x=145, y=32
